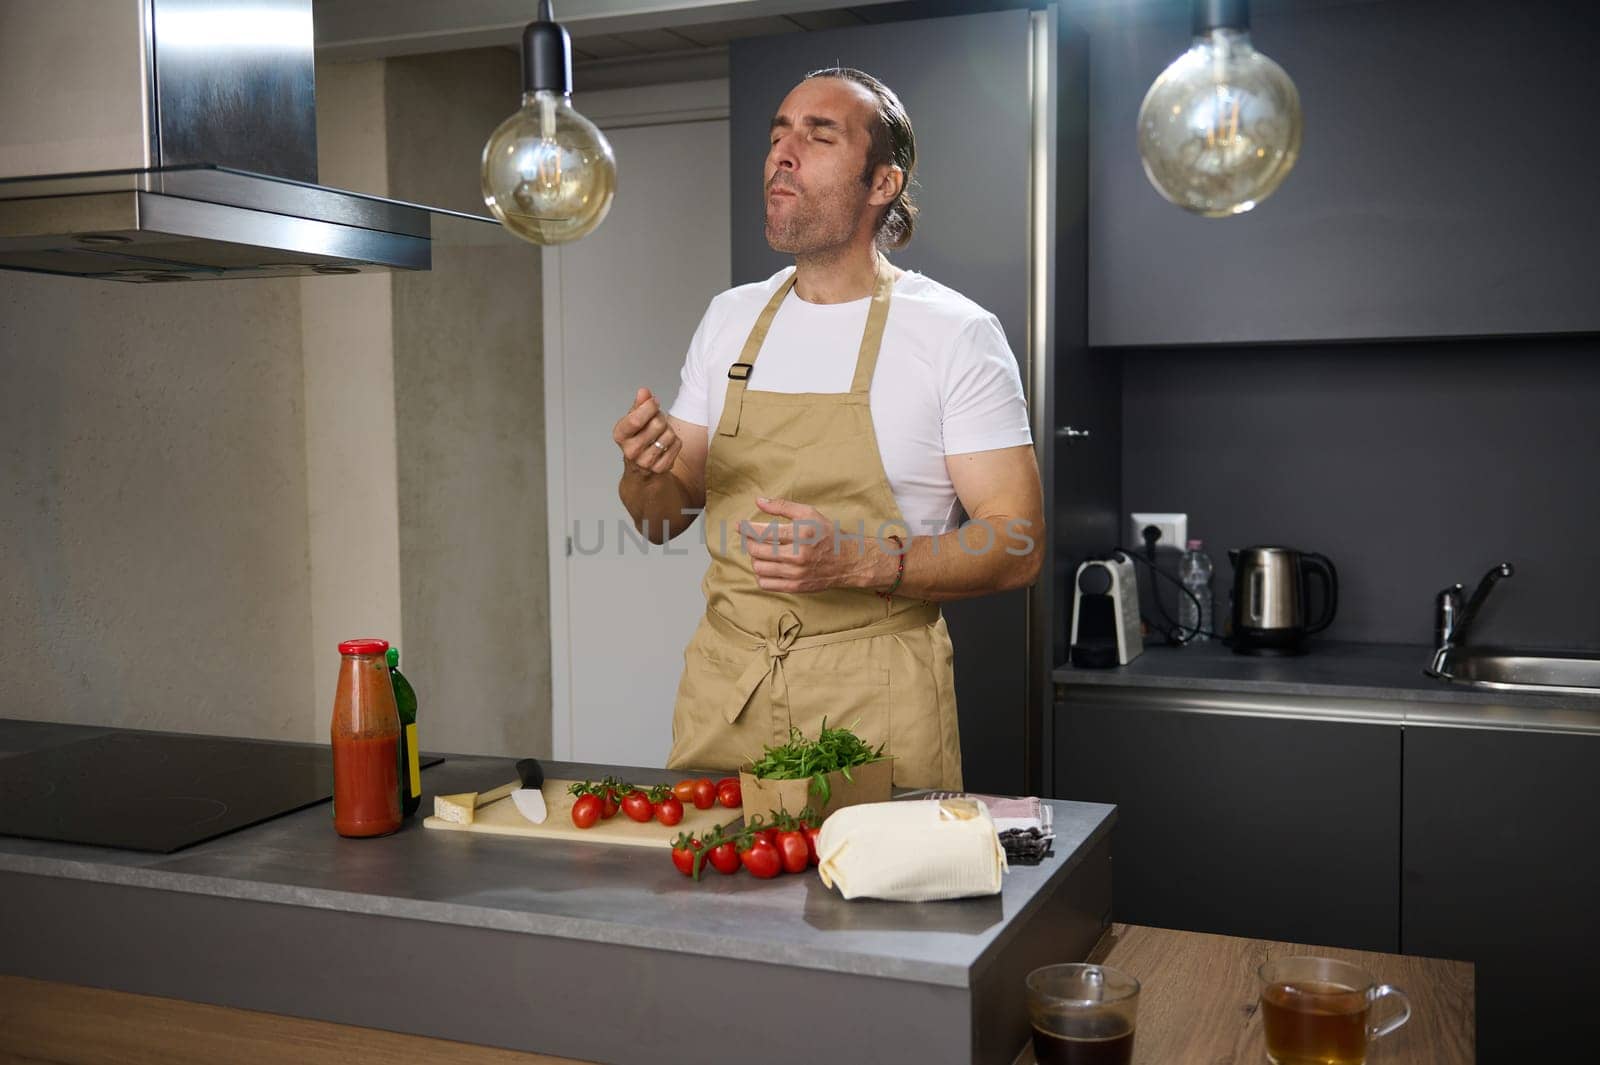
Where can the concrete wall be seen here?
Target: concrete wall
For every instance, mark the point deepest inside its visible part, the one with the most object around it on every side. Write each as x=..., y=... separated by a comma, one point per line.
x=153, y=560
x=469, y=403
x=204, y=487
x=347, y=345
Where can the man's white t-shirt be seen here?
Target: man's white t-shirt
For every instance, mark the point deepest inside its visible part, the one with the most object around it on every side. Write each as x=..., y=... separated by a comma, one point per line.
x=946, y=382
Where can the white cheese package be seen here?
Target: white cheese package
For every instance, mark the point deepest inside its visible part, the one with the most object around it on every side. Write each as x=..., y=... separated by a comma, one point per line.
x=911, y=851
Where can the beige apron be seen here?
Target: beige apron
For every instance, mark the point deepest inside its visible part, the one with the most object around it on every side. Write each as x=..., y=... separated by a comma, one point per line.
x=760, y=661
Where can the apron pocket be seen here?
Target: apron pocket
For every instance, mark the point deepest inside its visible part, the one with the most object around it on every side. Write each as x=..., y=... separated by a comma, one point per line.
x=845, y=684
x=701, y=735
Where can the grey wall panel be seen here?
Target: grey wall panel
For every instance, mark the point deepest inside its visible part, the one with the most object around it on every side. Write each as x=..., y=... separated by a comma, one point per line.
x=1087, y=470
x=964, y=81
x=1445, y=187
x=1412, y=465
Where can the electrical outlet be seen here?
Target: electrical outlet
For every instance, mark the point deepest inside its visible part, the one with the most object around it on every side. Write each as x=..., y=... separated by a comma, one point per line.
x=1174, y=530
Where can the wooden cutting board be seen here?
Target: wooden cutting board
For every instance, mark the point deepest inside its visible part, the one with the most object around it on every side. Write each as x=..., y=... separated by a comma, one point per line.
x=500, y=818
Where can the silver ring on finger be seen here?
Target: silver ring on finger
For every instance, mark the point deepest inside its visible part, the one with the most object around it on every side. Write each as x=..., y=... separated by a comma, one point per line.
x=659, y=444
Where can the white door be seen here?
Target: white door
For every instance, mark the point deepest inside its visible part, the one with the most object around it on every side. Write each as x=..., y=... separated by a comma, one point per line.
x=620, y=307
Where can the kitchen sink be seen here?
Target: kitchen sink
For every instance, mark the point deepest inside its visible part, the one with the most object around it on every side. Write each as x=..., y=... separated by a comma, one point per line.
x=1533, y=671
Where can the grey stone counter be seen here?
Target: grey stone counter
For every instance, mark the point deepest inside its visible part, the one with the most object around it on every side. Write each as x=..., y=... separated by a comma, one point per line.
x=462, y=899
x=1384, y=681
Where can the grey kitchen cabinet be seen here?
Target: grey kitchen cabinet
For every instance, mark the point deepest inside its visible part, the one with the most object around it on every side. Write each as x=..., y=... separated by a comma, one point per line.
x=1278, y=827
x=1502, y=869
x=1444, y=187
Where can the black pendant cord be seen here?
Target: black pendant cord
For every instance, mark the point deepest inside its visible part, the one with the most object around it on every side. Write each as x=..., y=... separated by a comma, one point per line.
x=546, y=54
x=1220, y=14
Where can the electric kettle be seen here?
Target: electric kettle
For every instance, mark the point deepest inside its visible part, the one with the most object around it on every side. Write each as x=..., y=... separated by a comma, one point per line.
x=1269, y=599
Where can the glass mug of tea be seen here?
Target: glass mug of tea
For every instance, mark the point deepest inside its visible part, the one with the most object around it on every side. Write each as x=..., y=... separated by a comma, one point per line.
x=1317, y=1011
x=1082, y=1014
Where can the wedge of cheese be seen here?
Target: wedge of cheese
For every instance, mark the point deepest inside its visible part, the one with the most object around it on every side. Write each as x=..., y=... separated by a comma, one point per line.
x=456, y=809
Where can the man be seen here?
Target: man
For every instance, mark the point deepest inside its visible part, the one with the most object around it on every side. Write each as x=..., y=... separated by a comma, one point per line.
x=830, y=474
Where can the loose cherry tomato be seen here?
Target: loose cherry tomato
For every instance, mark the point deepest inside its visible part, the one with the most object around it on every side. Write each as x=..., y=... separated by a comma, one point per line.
x=609, y=805
x=811, y=843
x=683, y=791
x=727, y=780
x=704, y=794
x=669, y=811
x=792, y=849
x=728, y=794
x=586, y=811
x=724, y=858
x=683, y=856
x=637, y=805
x=762, y=860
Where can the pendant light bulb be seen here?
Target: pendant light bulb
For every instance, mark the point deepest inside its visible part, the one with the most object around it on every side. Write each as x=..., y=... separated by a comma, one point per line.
x=1219, y=130
x=548, y=172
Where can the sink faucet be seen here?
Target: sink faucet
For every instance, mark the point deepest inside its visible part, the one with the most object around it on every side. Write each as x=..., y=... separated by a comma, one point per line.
x=1452, y=624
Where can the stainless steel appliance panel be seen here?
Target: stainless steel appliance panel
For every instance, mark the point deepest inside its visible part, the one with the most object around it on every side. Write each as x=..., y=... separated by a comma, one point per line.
x=236, y=84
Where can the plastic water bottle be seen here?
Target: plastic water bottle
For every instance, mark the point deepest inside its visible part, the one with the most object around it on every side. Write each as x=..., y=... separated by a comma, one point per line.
x=1194, y=570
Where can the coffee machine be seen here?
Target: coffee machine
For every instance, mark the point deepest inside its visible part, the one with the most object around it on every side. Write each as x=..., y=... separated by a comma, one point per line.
x=1105, y=613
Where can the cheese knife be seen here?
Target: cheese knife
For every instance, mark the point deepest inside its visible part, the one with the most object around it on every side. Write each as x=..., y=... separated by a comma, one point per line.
x=530, y=798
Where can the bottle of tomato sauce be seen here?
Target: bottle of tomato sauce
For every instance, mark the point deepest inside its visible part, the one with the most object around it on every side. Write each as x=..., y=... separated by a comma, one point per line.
x=366, y=743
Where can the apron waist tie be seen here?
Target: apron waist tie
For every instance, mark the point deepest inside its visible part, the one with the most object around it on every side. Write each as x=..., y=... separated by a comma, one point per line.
x=770, y=651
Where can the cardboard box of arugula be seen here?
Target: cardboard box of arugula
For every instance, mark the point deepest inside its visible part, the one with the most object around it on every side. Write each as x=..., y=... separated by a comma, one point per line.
x=835, y=770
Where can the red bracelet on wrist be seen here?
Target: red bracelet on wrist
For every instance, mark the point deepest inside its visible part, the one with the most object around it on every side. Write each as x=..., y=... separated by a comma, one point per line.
x=900, y=568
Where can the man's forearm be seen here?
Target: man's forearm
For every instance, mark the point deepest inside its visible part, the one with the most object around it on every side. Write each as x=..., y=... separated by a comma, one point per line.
x=656, y=503
x=980, y=558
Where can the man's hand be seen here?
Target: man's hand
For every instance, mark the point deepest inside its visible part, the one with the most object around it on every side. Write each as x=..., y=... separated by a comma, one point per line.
x=649, y=446
x=662, y=487
x=803, y=554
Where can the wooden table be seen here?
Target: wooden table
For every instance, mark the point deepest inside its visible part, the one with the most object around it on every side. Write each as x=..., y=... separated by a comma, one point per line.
x=1198, y=998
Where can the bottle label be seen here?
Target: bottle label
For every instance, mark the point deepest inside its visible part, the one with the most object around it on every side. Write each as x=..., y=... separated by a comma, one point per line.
x=414, y=770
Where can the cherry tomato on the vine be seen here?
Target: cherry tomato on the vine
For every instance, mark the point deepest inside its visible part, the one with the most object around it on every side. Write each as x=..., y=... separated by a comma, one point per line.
x=762, y=860
x=792, y=849
x=637, y=805
x=683, y=856
x=586, y=811
x=704, y=794
x=724, y=858
x=669, y=811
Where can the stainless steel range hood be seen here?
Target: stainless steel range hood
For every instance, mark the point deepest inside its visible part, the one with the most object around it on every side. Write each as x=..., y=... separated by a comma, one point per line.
x=174, y=140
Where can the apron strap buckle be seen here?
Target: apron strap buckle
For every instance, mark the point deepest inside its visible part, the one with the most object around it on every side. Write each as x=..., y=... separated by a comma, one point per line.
x=735, y=374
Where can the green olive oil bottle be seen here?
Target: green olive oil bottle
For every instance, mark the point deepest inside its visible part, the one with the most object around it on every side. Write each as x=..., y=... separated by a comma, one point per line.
x=405, y=700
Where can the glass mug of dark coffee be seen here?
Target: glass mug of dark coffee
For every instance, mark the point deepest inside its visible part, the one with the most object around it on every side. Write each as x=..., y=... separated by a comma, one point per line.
x=1317, y=1011
x=1082, y=1014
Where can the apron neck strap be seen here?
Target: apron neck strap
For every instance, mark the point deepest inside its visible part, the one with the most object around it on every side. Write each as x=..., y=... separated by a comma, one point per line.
x=866, y=357
x=872, y=338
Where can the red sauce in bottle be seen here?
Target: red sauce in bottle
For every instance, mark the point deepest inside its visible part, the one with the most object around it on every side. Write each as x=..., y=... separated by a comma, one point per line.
x=366, y=736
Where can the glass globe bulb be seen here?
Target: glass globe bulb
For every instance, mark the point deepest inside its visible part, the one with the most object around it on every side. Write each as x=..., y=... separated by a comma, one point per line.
x=548, y=172
x=1219, y=130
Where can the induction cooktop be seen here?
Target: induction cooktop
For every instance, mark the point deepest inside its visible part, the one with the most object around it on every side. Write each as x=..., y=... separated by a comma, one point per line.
x=157, y=791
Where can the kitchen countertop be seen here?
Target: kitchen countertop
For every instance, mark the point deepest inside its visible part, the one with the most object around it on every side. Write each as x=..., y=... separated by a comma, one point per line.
x=577, y=893
x=1389, y=677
